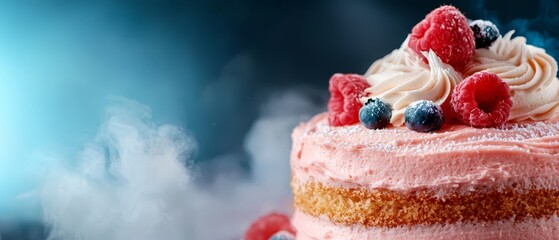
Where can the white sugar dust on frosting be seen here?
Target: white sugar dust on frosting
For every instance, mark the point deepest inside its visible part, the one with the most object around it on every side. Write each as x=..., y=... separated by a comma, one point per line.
x=455, y=158
x=529, y=135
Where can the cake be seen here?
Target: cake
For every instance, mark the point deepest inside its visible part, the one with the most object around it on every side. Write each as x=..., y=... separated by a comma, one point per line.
x=482, y=161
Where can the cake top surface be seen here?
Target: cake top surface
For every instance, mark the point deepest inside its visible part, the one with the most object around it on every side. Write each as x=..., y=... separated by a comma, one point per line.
x=533, y=136
x=454, y=158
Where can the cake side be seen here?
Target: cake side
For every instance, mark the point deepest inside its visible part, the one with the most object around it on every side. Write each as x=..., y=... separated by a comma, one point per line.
x=385, y=208
x=398, y=178
x=455, y=158
x=321, y=228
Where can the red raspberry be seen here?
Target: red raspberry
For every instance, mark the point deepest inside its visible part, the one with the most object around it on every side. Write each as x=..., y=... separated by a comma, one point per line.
x=445, y=30
x=344, y=104
x=266, y=226
x=449, y=114
x=482, y=100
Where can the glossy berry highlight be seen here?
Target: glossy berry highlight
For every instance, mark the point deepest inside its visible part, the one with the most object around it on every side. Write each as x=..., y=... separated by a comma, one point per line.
x=485, y=33
x=424, y=116
x=375, y=114
x=482, y=100
x=344, y=103
x=266, y=226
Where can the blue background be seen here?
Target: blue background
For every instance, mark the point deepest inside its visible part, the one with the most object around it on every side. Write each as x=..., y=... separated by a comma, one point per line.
x=203, y=65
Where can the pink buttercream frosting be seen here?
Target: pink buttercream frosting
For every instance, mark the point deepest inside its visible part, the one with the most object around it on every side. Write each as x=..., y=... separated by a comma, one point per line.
x=457, y=157
x=311, y=228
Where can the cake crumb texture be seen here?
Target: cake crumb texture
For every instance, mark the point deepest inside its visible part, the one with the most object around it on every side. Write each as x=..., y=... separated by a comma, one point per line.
x=387, y=208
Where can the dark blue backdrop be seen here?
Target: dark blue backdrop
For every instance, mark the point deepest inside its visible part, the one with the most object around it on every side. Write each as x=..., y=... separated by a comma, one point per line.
x=204, y=65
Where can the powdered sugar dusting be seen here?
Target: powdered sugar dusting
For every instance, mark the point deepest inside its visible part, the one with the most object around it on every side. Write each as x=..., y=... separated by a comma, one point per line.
x=540, y=137
x=456, y=158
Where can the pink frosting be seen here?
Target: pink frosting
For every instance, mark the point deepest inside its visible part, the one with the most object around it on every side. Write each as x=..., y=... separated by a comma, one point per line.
x=311, y=228
x=457, y=157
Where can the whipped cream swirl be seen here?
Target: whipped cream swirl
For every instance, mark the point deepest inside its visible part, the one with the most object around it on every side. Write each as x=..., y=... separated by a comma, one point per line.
x=528, y=70
x=401, y=78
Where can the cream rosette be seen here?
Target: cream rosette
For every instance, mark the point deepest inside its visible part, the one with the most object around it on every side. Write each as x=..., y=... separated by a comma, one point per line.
x=528, y=70
x=401, y=78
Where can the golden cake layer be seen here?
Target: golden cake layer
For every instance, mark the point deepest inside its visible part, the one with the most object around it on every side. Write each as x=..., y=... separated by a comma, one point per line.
x=388, y=208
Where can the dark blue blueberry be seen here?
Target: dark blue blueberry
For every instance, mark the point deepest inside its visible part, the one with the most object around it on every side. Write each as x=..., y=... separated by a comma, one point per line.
x=375, y=114
x=485, y=32
x=282, y=235
x=424, y=116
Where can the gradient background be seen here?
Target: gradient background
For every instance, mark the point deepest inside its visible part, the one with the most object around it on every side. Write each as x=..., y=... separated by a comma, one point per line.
x=211, y=67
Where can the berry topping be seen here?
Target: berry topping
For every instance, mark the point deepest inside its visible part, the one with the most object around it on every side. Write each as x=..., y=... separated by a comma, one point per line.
x=375, y=114
x=485, y=33
x=424, y=116
x=344, y=104
x=449, y=114
x=482, y=100
x=445, y=30
x=282, y=235
x=266, y=226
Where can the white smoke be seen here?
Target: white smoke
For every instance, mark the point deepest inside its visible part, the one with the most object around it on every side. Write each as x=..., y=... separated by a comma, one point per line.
x=134, y=181
x=540, y=31
x=124, y=185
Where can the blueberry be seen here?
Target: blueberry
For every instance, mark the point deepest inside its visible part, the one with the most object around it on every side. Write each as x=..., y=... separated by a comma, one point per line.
x=375, y=114
x=282, y=235
x=485, y=32
x=424, y=116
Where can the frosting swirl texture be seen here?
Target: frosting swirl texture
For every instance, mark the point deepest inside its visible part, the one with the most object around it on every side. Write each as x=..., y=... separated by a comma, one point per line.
x=401, y=78
x=528, y=70
x=456, y=158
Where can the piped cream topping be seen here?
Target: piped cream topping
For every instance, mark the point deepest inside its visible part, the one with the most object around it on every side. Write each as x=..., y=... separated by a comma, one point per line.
x=528, y=70
x=401, y=78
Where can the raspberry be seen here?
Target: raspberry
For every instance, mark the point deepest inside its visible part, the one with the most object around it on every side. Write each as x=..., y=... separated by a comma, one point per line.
x=445, y=30
x=268, y=225
x=449, y=114
x=344, y=104
x=482, y=100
